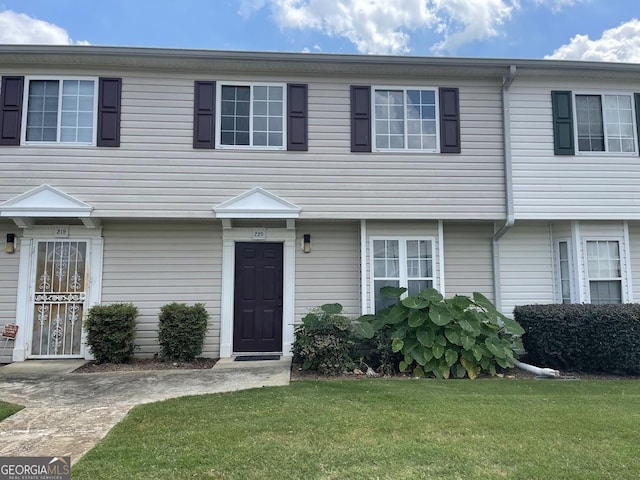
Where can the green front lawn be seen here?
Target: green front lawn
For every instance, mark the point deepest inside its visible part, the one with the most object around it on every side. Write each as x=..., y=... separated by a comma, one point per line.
x=7, y=409
x=387, y=429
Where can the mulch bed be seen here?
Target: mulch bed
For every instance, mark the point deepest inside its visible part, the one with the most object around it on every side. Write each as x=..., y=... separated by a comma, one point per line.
x=138, y=364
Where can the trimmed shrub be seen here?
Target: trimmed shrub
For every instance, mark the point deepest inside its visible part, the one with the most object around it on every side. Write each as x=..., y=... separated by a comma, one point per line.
x=582, y=337
x=111, y=331
x=457, y=336
x=181, y=331
x=324, y=341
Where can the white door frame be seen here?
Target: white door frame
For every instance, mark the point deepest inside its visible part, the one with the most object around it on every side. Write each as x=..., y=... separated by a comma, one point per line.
x=26, y=279
x=274, y=235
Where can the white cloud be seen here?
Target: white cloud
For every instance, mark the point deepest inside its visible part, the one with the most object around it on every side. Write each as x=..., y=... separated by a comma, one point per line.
x=619, y=44
x=385, y=26
x=18, y=28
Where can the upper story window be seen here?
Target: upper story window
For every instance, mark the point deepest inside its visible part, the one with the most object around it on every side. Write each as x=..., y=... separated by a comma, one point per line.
x=405, y=119
x=605, y=123
x=60, y=111
x=252, y=116
x=594, y=122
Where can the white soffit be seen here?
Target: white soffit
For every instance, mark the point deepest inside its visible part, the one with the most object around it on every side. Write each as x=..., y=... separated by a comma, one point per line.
x=45, y=201
x=257, y=203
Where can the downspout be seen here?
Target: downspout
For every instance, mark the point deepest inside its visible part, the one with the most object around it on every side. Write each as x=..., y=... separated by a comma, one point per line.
x=508, y=182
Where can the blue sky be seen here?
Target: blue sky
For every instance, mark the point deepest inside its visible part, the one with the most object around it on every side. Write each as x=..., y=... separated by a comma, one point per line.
x=580, y=29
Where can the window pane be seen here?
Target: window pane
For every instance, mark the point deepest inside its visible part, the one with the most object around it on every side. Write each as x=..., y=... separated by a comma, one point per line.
x=42, y=111
x=380, y=301
x=589, y=123
x=605, y=292
x=416, y=286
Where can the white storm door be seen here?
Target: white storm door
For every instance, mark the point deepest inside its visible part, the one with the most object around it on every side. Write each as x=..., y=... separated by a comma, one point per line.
x=59, y=298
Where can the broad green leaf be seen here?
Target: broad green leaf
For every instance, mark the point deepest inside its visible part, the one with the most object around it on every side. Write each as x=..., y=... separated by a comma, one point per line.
x=418, y=356
x=418, y=372
x=485, y=363
x=451, y=356
x=459, y=371
x=392, y=292
x=438, y=350
x=399, y=332
x=511, y=326
x=484, y=302
x=495, y=346
x=461, y=302
x=468, y=354
x=472, y=369
x=503, y=362
x=417, y=318
x=331, y=308
x=431, y=366
x=397, y=345
x=310, y=319
x=439, y=316
x=425, y=336
x=467, y=341
x=410, y=344
x=453, y=336
x=440, y=340
x=365, y=330
x=444, y=370
x=403, y=366
x=415, y=303
x=306, y=365
x=431, y=294
x=396, y=314
x=477, y=352
x=428, y=354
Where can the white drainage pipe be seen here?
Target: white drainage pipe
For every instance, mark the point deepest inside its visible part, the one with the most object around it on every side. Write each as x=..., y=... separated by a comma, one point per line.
x=542, y=372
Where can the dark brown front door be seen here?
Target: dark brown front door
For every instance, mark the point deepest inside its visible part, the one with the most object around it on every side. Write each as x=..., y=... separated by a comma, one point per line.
x=257, y=324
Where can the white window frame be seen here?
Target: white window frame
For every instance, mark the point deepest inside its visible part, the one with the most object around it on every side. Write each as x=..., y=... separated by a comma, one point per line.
x=251, y=85
x=404, y=89
x=572, y=296
x=623, y=274
x=61, y=79
x=606, y=151
x=402, y=259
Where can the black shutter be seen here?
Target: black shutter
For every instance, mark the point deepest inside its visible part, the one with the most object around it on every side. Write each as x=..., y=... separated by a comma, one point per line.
x=449, y=121
x=204, y=115
x=109, y=93
x=561, y=105
x=360, y=118
x=11, y=110
x=297, y=124
x=636, y=97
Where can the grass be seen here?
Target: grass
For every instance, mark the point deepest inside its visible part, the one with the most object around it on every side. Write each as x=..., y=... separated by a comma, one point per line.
x=418, y=429
x=8, y=409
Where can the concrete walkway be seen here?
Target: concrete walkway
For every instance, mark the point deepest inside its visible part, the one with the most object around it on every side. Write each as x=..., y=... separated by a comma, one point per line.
x=68, y=413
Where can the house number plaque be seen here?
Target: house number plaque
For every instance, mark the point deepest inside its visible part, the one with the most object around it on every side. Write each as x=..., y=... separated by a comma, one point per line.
x=61, y=231
x=259, y=234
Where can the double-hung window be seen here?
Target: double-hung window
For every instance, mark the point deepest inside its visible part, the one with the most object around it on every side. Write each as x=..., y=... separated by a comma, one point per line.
x=605, y=123
x=401, y=262
x=604, y=271
x=251, y=115
x=405, y=119
x=60, y=111
x=564, y=271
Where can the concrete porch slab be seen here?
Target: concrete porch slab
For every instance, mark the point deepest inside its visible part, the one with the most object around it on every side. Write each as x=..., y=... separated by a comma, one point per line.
x=42, y=367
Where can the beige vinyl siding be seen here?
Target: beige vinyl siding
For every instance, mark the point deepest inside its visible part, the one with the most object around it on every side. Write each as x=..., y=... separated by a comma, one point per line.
x=388, y=229
x=468, y=259
x=634, y=252
x=526, y=266
x=331, y=272
x=585, y=186
x=157, y=173
x=8, y=284
x=154, y=263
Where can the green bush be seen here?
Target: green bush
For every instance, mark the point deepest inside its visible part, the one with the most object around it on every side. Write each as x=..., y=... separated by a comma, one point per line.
x=181, y=331
x=582, y=337
x=458, y=336
x=111, y=331
x=324, y=341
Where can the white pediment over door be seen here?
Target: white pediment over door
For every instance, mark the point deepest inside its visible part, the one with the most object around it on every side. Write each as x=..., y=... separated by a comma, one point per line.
x=257, y=203
x=46, y=201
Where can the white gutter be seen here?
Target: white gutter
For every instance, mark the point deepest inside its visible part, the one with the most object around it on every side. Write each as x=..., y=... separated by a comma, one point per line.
x=508, y=183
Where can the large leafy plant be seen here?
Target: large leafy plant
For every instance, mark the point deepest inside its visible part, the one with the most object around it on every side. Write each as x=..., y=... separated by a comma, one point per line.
x=459, y=336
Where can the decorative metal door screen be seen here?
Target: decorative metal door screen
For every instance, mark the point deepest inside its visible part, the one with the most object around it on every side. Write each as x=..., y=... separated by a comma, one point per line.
x=59, y=300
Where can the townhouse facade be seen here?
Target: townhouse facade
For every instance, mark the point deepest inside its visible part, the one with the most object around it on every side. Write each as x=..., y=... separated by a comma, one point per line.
x=266, y=184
